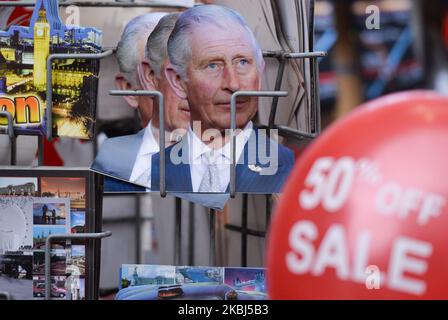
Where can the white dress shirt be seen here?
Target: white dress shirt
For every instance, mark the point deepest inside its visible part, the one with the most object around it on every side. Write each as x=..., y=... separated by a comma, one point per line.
x=222, y=156
x=148, y=148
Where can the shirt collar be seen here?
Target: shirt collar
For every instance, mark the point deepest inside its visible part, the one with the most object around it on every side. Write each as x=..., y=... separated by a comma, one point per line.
x=149, y=144
x=198, y=148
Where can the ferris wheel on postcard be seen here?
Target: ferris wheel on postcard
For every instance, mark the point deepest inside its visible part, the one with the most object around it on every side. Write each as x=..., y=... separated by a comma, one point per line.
x=16, y=223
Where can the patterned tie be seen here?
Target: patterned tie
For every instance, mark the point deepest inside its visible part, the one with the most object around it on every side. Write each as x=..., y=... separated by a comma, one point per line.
x=210, y=180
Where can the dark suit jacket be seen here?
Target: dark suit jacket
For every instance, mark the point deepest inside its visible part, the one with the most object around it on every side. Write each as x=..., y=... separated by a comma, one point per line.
x=178, y=178
x=112, y=185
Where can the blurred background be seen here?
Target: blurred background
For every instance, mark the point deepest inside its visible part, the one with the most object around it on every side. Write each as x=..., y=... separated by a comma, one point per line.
x=408, y=51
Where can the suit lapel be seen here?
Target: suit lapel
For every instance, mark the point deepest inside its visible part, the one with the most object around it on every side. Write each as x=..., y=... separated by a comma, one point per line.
x=244, y=176
x=180, y=173
x=178, y=176
x=248, y=180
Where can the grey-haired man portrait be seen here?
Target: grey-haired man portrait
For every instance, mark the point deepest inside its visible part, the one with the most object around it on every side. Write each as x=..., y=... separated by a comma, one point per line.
x=213, y=54
x=130, y=54
x=128, y=158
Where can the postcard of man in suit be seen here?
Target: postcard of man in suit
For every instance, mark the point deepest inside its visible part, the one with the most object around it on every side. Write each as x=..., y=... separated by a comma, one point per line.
x=214, y=54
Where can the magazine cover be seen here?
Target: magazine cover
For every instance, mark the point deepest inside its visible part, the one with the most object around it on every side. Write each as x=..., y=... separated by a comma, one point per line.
x=23, y=71
x=151, y=282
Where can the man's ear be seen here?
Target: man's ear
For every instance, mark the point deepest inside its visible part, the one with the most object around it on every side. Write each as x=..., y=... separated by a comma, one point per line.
x=146, y=75
x=176, y=83
x=123, y=84
x=261, y=72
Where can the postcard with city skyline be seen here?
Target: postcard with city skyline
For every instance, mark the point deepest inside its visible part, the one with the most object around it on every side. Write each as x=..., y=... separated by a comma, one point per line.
x=58, y=262
x=51, y=211
x=246, y=279
x=24, y=51
x=18, y=186
x=199, y=275
x=33, y=205
x=136, y=275
x=76, y=261
x=41, y=233
x=65, y=187
x=153, y=282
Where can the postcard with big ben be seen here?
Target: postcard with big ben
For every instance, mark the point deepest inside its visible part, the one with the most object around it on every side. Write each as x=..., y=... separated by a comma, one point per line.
x=23, y=74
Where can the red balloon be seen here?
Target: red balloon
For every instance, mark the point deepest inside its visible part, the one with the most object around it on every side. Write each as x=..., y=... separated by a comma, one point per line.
x=365, y=213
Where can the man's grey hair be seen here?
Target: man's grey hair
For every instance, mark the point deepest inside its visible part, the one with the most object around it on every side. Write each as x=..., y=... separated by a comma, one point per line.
x=179, y=48
x=135, y=31
x=156, y=46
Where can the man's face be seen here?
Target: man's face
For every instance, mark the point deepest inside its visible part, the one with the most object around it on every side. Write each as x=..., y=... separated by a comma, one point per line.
x=222, y=62
x=145, y=108
x=143, y=104
x=177, y=112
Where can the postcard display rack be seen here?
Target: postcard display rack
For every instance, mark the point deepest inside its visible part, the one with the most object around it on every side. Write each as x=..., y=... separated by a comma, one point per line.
x=51, y=216
x=282, y=57
x=95, y=181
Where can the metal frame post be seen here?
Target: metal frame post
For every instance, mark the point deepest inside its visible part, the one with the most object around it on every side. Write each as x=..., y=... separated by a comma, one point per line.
x=49, y=97
x=232, y=187
x=178, y=232
x=161, y=101
x=191, y=233
x=12, y=135
x=244, y=234
x=212, y=214
x=68, y=236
